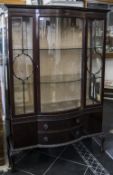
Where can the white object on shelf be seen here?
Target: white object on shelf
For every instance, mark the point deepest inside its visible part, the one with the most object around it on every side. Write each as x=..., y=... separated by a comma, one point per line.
x=32, y=2
x=63, y=2
x=57, y=2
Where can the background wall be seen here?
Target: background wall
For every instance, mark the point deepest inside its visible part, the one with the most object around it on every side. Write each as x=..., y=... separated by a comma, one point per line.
x=13, y=1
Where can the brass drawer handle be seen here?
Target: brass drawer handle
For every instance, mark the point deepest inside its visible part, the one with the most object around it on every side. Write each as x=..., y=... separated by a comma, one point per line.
x=45, y=126
x=78, y=121
x=45, y=139
x=77, y=133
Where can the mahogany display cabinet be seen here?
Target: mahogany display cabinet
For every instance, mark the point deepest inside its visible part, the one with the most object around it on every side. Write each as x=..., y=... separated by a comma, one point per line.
x=54, y=57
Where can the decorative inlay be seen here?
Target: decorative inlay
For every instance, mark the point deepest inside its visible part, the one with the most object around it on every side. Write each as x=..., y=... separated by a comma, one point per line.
x=94, y=165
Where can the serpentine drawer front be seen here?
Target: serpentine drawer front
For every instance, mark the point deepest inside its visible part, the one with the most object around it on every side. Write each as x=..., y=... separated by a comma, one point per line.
x=60, y=125
x=60, y=137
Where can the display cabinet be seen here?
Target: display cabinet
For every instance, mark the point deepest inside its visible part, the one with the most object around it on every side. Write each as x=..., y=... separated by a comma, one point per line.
x=54, y=57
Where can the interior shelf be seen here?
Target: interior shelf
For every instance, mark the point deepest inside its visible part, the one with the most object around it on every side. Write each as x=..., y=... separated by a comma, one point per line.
x=99, y=47
x=60, y=79
x=21, y=49
x=60, y=82
x=61, y=48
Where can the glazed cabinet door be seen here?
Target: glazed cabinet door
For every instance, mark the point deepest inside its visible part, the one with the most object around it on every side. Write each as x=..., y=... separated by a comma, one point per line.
x=60, y=43
x=95, y=61
x=22, y=79
x=22, y=65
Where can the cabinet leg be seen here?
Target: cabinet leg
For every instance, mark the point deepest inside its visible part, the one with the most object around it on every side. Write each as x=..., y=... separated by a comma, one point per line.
x=102, y=138
x=11, y=157
x=12, y=164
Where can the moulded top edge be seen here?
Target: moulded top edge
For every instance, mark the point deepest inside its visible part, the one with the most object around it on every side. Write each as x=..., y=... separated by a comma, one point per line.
x=55, y=7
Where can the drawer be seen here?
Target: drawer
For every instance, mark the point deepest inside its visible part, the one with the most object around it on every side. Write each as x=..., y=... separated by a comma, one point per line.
x=59, y=125
x=60, y=137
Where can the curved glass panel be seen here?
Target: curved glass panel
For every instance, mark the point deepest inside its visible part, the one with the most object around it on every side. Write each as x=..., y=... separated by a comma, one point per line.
x=60, y=63
x=94, y=61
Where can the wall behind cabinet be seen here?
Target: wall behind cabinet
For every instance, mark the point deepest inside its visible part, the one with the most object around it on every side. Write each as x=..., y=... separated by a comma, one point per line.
x=13, y=1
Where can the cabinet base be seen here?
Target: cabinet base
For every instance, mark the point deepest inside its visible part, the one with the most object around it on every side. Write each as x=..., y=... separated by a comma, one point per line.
x=12, y=152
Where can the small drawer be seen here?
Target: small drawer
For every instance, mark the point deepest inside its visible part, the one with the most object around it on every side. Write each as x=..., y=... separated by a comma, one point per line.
x=60, y=137
x=60, y=125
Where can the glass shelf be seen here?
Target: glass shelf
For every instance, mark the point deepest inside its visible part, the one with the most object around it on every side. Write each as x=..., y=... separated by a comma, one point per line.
x=61, y=49
x=66, y=49
x=21, y=49
x=60, y=79
x=61, y=82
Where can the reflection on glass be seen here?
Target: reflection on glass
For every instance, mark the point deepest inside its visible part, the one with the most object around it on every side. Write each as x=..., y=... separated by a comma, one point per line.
x=22, y=64
x=109, y=39
x=94, y=61
x=60, y=63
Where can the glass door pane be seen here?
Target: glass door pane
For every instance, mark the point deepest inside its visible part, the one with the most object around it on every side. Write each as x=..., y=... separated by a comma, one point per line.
x=60, y=63
x=22, y=45
x=94, y=61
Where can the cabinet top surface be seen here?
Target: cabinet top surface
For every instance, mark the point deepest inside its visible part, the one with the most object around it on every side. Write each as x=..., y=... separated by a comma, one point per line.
x=10, y=6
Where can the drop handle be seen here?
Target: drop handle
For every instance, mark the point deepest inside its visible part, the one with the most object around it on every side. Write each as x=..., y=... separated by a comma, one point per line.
x=45, y=139
x=45, y=126
x=77, y=121
x=77, y=133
